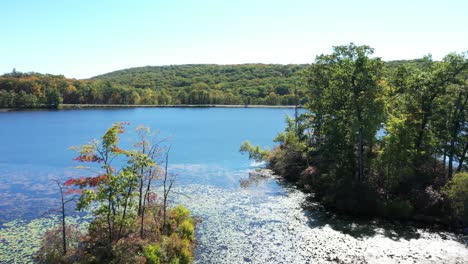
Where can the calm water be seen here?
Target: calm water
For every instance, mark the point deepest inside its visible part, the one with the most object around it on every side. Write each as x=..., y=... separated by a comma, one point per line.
x=266, y=222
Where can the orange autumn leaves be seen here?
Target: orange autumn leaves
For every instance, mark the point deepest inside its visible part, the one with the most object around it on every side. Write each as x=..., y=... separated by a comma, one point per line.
x=92, y=154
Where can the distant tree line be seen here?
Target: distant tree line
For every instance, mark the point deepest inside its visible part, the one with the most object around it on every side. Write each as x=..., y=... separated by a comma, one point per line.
x=184, y=84
x=255, y=84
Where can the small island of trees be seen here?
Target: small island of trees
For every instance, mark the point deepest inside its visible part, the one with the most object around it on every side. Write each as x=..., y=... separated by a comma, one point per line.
x=132, y=223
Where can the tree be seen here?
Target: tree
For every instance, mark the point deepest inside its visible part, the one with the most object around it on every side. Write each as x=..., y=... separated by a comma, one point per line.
x=145, y=170
x=346, y=106
x=110, y=189
x=63, y=202
x=426, y=112
x=53, y=97
x=119, y=198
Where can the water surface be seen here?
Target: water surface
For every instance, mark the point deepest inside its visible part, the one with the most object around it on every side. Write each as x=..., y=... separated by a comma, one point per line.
x=267, y=221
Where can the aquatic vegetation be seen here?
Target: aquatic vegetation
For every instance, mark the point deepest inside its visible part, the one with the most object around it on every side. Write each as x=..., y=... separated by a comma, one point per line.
x=20, y=240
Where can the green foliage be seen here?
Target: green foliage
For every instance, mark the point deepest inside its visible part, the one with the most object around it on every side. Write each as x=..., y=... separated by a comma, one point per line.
x=123, y=230
x=457, y=192
x=172, y=249
x=186, y=229
x=377, y=140
x=255, y=152
x=346, y=102
x=180, y=213
x=178, y=249
x=290, y=157
x=152, y=254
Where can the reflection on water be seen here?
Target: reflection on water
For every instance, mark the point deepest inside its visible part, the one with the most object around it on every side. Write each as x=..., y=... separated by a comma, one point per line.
x=245, y=218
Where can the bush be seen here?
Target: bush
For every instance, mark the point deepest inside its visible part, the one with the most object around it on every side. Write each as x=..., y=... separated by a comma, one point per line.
x=457, y=192
x=186, y=229
x=127, y=250
x=152, y=254
x=178, y=214
x=178, y=249
x=398, y=208
x=287, y=161
x=51, y=250
x=430, y=202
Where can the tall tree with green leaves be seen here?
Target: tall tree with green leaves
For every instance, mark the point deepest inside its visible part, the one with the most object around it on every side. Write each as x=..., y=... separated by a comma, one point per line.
x=346, y=107
x=426, y=108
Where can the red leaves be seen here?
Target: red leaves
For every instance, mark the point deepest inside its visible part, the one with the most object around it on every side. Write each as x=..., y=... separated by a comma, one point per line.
x=69, y=182
x=88, y=158
x=117, y=150
x=72, y=191
x=86, y=181
x=95, y=181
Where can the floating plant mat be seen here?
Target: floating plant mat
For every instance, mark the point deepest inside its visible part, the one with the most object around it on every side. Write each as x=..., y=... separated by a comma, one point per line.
x=269, y=223
x=20, y=240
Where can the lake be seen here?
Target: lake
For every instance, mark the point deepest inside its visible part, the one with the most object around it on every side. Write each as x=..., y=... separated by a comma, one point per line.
x=267, y=221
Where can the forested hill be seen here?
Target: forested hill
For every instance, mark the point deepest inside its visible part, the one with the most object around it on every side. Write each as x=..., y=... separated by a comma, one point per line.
x=217, y=76
x=267, y=84
x=270, y=84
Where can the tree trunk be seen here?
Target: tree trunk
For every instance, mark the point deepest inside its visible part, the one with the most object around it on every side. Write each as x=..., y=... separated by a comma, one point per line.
x=142, y=180
x=450, y=160
x=64, y=230
x=109, y=208
x=455, y=128
x=361, y=158
x=124, y=211
x=145, y=197
x=445, y=157
x=140, y=202
x=167, y=189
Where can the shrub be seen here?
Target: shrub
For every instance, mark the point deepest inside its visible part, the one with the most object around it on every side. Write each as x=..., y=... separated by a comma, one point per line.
x=457, y=192
x=127, y=250
x=398, y=208
x=51, y=250
x=186, y=230
x=178, y=249
x=152, y=254
x=179, y=214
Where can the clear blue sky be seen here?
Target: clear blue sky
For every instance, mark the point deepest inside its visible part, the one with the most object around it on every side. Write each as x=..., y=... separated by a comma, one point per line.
x=83, y=38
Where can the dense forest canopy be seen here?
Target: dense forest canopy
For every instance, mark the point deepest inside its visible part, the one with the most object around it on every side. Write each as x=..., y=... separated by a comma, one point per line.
x=375, y=139
x=268, y=84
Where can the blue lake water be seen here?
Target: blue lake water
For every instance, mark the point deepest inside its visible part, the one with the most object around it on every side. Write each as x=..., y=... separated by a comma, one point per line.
x=266, y=222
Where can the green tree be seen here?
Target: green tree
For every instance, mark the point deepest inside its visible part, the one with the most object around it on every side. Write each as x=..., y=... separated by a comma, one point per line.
x=346, y=106
x=54, y=98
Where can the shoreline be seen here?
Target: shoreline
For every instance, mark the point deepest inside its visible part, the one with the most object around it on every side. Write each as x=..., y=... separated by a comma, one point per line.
x=62, y=106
